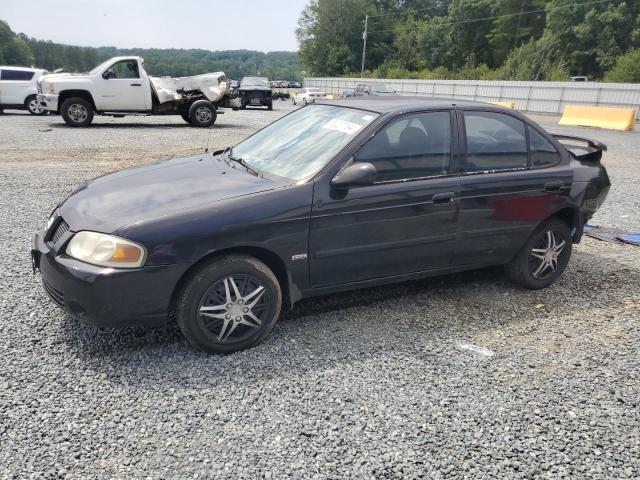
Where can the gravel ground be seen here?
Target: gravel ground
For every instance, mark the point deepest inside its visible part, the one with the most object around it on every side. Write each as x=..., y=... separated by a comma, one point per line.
x=368, y=384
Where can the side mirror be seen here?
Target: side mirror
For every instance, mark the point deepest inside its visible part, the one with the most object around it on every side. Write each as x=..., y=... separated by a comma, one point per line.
x=356, y=174
x=108, y=74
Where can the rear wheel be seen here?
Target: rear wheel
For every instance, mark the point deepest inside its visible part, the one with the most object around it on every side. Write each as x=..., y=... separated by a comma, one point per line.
x=32, y=105
x=77, y=112
x=544, y=257
x=270, y=105
x=202, y=113
x=229, y=304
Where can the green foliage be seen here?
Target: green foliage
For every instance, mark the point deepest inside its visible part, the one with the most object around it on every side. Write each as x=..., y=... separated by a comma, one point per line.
x=475, y=39
x=626, y=69
x=22, y=50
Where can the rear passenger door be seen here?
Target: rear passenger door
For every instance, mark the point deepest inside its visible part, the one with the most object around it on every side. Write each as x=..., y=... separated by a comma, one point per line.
x=15, y=86
x=512, y=179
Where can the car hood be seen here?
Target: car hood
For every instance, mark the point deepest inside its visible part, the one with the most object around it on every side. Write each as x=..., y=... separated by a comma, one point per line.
x=135, y=195
x=254, y=87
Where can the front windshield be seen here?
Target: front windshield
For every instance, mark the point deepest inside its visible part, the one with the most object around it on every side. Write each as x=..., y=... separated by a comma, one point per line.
x=255, y=82
x=382, y=89
x=299, y=145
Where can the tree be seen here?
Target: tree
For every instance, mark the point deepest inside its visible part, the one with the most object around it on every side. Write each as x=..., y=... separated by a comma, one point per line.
x=626, y=69
x=329, y=34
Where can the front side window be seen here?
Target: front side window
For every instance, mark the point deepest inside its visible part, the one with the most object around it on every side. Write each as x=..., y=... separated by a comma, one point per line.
x=17, y=75
x=413, y=146
x=125, y=69
x=495, y=141
x=298, y=145
x=542, y=151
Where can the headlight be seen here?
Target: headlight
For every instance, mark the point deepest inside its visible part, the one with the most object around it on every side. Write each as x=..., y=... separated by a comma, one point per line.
x=52, y=87
x=106, y=250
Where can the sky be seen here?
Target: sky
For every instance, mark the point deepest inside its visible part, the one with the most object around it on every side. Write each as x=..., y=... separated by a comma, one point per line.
x=208, y=24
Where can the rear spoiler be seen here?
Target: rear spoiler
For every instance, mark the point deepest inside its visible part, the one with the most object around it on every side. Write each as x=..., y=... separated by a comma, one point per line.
x=592, y=151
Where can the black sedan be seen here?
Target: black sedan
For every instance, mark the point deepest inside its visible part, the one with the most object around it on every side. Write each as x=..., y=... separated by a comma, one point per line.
x=338, y=195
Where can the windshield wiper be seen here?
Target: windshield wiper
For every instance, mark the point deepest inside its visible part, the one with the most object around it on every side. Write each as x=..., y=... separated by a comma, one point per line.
x=243, y=163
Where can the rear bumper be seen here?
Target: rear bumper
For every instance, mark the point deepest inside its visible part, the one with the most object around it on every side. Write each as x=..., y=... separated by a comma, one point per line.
x=106, y=297
x=48, y=101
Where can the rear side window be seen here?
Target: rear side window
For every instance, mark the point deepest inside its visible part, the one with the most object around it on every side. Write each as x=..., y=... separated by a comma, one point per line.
x=412, y=146
x=16, y=75
x=542, y=151
x=495, y=141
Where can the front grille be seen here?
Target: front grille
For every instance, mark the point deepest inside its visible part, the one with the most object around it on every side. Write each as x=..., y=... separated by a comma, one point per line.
x=54, y=294
x=59, y=228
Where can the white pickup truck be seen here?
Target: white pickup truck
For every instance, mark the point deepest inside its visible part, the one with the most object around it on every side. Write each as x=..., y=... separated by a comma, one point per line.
x=120, y=86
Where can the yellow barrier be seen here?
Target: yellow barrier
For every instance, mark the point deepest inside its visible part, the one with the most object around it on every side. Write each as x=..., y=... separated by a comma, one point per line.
x=603, y=117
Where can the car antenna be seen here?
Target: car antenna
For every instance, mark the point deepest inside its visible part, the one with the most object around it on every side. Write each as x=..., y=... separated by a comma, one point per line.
x=206, y=149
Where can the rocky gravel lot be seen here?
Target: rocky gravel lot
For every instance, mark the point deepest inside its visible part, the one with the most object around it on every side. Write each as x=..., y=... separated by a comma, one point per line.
x=369, y=384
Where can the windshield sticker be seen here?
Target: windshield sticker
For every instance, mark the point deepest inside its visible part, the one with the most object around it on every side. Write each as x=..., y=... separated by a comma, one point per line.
x=368, y=118
x=343, y=126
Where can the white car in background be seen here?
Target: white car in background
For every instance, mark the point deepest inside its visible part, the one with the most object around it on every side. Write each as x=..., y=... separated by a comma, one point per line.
x=308, y=95
x=18, y=89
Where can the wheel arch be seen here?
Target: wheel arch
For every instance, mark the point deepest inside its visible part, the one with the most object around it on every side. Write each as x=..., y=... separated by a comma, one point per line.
x=574, y=220
x=66, y=94
x=268, y=257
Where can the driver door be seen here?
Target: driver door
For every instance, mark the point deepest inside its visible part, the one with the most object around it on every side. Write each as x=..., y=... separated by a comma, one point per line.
x=403, y=223
x=121, y=88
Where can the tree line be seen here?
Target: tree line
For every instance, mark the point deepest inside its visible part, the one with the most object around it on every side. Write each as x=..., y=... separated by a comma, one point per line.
x=473, y=39
x=19, y=49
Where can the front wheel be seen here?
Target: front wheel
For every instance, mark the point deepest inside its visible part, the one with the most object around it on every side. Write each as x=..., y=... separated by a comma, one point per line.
x=185, y=117
x=202, y=113
x=34, y=108
x=544, y=257
x=77, y=112
x=229, y=304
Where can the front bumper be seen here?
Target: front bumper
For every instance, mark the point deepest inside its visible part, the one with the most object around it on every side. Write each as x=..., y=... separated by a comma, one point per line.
x=48, y=101
x=107, y=297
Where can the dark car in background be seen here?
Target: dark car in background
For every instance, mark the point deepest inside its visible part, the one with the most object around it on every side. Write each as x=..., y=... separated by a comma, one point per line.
x=255, y=92
x=334, y=196
x=373, y=89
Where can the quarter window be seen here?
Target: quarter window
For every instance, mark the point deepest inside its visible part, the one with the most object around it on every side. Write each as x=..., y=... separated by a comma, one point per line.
x=413, y=146
x=542, y=151
x=495, y=141
x=16, y=75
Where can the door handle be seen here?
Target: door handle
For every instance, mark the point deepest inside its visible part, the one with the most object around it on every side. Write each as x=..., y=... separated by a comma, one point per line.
x=136, y=84
x=445, y=197
x=554, y=186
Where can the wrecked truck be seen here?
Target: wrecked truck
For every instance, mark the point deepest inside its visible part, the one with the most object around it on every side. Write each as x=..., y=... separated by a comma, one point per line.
x=121, y=86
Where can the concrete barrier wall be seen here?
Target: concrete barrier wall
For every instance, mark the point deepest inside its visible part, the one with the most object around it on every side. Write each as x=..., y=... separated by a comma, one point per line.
x=536, y=97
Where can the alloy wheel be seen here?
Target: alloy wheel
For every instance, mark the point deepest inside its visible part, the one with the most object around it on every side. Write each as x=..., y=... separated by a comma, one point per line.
x=545, y=254
x=77, y=112
x=203, y=114
x=35, y=108
x=233, y=308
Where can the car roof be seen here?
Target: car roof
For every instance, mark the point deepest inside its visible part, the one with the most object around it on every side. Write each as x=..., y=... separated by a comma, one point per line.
x=405, y=104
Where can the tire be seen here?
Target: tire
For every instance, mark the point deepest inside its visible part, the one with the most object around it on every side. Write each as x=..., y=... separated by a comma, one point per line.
x=541, y=261
x=202, y=113
x=185, y=117
x=213, y=287
x=304, y=101
x=77, y=112
x=31, y=104
x=270, y=106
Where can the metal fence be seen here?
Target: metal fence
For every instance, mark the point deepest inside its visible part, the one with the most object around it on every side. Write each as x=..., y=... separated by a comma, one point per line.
x=536, y=97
